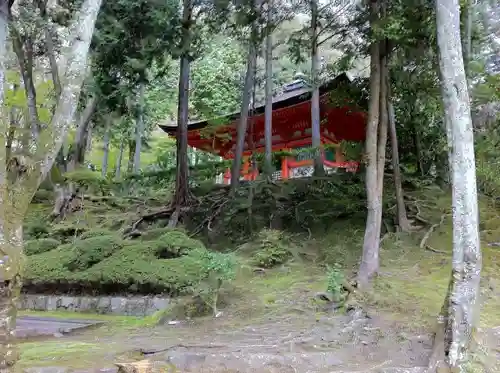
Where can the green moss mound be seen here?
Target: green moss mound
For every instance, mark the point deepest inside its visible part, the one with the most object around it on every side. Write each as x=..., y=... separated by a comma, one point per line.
x=33, y=247
x=108, y=265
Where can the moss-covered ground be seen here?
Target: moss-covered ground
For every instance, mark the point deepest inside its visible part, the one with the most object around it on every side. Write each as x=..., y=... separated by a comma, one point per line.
x=408, y=292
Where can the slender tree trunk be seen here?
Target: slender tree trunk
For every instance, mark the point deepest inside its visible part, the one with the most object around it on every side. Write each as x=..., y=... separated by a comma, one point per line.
x=105, y=146
x=245, y=103
x=183, y=195
x=24, y=54
x=82, y=132
x=461, y=311
x=315, y=109
x=120, y=159
x=88, y=144
x=370, y=257
x=131, y=155
x=139, y=129
x=269, y=94
x=403, y=222
x=382, y=137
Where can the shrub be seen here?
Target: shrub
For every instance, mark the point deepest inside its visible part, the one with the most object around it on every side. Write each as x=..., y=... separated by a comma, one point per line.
x=335, y=282
x=86, y=253
x=65, y=231
x=106, y=264
x=95, y=233
x=36, y=230
x=273, y=249
x=33, y=247
x=154, y=233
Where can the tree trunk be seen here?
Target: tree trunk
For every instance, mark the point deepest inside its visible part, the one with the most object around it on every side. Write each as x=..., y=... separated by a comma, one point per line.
x=269, y=95
x=131, y=156
x=11, y=250
x=467, y=42
x=315, y=109
x=370, y=258
x=77, y=156
x=24, y=52
x=245, y=103
x=463, y=298
x=182, y=196
x=403, y=222
x=105, y=147
x=120, y=159
x=139, y=129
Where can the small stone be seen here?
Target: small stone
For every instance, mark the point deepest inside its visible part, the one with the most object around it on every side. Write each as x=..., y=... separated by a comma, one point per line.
x=174, y=322
x=58, y=335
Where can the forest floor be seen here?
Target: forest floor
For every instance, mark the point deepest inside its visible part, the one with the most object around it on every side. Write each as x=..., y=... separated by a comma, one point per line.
x=271, y=323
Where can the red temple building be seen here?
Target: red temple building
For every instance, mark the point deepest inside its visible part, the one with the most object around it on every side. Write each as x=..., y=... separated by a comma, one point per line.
x=291, y=129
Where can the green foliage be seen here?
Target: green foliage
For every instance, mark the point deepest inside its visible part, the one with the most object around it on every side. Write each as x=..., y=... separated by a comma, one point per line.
x=335, y=281
x=217, y=269
x=35, y=230
x=95, y=233
x=87, y=252
x=106, y=264
x=42, y=245
x=88, y=180
x=272, y=248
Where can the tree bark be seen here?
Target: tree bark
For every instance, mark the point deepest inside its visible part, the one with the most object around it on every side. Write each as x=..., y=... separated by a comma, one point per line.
x=403, y=222
x=245, y=103
x=105, y=147
x=17, y=190
x=82, y=133
x=315, y=109
x=462, y=301
x=131, y=155
x=182, y=196
x=24, y=52
x=269, y=94
x=120, y=159
x=139, y=128
x=370, y=258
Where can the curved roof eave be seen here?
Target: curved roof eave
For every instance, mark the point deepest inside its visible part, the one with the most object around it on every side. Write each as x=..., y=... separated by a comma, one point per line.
x=279, y=102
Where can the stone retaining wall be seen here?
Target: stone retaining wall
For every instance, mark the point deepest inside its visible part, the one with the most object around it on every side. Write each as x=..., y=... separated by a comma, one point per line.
x=127, y=306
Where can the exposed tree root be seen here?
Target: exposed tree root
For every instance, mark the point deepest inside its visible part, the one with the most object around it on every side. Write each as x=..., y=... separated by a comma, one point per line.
x=427, y=235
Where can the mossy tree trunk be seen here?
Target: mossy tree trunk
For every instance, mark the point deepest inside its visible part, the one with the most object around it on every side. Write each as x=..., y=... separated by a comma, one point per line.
x=461, y=305
x=20, y=176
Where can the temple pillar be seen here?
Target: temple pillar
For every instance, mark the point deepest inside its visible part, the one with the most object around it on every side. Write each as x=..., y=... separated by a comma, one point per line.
x=284, y=167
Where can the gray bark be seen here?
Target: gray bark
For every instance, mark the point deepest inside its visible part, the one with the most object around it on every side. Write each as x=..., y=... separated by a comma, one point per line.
x=139, y=128
x=315, y=109
x=461, y=304
x=370, y=257
x=269, y=94
x=73, y=77
x=105, y=146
